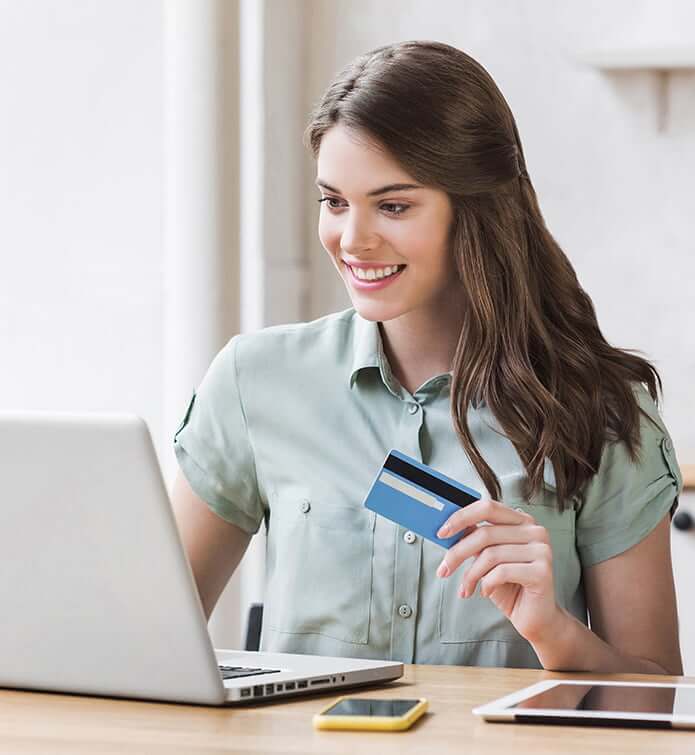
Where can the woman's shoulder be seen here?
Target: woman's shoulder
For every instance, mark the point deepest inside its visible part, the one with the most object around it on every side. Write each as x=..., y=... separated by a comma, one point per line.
x=649, y=408
x=322, y=340
x=652, y=431
x=654, y=457
x=654, y=437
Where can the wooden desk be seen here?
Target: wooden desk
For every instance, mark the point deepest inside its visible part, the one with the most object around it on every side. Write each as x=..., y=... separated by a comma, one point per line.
x=48, y=723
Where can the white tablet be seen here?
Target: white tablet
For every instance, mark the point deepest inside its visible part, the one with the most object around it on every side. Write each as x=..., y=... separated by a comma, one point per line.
x=597, y=703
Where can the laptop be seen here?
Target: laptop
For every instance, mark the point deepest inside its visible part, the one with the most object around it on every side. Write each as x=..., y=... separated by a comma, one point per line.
x=97, y=594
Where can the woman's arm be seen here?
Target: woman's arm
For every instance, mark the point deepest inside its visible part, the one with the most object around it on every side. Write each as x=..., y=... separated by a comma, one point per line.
x=214, y=546
x=632, y=609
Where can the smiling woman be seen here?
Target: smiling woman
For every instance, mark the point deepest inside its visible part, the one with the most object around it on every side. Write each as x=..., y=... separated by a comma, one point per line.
x=470, y=346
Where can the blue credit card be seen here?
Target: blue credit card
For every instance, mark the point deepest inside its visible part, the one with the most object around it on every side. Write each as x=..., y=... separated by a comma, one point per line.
x=416, y=496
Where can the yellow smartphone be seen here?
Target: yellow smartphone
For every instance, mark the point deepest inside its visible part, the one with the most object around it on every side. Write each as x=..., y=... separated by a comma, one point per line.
x=370, y=714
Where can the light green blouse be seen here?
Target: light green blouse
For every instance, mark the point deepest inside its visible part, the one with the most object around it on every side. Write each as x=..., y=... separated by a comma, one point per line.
x=289, y=427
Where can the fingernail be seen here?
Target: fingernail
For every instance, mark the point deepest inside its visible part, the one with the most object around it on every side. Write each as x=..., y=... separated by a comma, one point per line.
x=443, y=570
x=443, y=531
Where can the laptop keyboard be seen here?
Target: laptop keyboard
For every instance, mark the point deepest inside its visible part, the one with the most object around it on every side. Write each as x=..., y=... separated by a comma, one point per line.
x=235, y=672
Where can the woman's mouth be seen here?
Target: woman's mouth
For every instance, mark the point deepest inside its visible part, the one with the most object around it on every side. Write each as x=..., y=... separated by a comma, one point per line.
x=371, y=279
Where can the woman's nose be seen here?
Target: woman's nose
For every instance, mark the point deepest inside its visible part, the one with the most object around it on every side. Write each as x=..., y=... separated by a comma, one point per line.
x=357, y=235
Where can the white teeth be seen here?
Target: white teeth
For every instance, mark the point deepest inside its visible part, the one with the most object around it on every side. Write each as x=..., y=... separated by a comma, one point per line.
x=374, y=273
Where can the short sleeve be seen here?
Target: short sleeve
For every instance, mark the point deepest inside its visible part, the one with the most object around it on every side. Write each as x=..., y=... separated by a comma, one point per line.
x=626, y=499
x=213, y=449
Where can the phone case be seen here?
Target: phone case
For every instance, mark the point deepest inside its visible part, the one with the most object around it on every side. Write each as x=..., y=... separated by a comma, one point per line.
x=368, y=723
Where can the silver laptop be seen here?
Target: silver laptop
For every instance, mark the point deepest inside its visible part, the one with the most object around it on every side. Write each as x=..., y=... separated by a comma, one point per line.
x=96, y=592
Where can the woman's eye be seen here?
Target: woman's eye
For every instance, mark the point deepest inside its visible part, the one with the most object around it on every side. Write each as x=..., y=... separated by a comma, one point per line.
x=329, y=200
x=399, y=209
x=392, y=208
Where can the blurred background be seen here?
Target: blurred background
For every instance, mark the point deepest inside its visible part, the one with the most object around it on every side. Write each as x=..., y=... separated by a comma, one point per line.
x=156, y=199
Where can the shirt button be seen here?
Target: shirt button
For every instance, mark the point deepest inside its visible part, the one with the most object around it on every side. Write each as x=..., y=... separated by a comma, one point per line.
x=409, y=537
x=413, y=408
x=668, y=445
x=405, y=611
x=305, y=507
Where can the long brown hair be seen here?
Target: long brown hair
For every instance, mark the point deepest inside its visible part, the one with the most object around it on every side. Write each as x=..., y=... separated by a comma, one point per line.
x=530, y=346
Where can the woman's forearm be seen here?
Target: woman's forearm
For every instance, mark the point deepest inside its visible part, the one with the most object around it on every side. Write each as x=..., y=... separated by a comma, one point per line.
x=569, y=645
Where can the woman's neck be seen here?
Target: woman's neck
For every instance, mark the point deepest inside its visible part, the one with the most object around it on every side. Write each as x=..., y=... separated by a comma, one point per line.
x=421, y=344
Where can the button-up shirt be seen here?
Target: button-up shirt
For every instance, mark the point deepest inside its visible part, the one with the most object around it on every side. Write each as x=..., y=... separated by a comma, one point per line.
x=289, y=428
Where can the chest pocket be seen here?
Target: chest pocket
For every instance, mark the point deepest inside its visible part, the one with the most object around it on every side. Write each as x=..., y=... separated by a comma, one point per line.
x=319, y=566
x=477, y=619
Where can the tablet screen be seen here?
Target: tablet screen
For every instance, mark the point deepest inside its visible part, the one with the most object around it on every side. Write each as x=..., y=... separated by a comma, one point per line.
x=616, y=698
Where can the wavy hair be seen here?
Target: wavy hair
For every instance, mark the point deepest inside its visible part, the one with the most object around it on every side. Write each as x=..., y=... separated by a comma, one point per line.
x=530, y=346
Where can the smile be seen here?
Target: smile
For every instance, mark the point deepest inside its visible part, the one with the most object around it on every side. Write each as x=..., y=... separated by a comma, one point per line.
x=374, y=278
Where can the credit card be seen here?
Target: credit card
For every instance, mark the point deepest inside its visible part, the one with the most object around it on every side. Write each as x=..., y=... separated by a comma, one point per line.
x=417, y=496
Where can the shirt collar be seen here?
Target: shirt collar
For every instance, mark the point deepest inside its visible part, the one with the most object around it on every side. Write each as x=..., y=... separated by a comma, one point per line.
x=366, y=346
x=368, y=352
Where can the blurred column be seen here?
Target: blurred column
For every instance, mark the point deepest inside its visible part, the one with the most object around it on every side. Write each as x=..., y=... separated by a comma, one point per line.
x=273, y=199
x=201, y=218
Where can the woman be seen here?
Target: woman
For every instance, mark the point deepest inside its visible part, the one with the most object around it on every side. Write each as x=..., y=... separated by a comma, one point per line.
x=470, y=346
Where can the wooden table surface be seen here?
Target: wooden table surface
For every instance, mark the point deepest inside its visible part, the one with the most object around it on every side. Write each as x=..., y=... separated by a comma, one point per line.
x=52, y=723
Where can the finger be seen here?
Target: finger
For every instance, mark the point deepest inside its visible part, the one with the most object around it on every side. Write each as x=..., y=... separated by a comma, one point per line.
x=484, y=537
x=495, y=555
x=532, y=576
x=485, y=510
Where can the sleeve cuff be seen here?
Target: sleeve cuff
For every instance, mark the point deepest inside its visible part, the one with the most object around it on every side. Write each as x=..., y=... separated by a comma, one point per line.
x=618, y=542
x=203, y=488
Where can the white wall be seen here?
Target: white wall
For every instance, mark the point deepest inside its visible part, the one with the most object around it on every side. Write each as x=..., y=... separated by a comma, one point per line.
x=80, y=206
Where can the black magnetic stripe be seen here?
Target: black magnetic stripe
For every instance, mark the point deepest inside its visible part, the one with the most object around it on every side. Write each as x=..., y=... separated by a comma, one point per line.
x=428, y=481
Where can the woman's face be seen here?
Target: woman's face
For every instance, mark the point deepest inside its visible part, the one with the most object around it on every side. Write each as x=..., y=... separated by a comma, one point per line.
x=374, y=231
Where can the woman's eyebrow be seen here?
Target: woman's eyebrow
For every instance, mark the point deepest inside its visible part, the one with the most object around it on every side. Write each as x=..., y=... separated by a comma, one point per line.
x=375, y=192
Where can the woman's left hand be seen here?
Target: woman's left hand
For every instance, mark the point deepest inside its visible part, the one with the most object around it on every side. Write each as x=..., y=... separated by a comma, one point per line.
x=513, y=561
